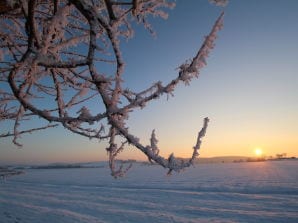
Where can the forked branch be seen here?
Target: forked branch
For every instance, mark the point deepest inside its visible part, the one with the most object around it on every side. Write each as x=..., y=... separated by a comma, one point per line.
x=58, y=57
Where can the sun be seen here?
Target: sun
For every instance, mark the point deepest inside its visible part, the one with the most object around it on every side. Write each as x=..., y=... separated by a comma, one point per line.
x=258, y=152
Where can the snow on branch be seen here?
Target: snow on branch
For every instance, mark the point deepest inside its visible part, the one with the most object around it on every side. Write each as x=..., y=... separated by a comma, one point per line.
x=54, y=58
x=187, y=72
x=219, y=2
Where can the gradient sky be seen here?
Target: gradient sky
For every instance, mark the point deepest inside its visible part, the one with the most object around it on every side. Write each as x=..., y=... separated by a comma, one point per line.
x=249, y=89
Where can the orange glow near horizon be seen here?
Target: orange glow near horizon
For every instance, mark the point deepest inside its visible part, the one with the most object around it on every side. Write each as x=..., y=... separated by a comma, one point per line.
x=258, y=152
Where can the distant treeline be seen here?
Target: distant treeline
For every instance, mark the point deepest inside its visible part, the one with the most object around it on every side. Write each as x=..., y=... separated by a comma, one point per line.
x=8, y=172
x=64, y=166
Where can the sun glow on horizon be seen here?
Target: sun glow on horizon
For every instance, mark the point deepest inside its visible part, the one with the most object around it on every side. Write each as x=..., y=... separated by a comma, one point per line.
x=258, y=152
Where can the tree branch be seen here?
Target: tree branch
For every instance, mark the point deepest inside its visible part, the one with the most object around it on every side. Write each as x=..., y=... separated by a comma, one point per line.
x=68, y=53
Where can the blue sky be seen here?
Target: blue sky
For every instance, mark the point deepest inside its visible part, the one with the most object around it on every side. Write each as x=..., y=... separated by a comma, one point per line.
x=248, y=89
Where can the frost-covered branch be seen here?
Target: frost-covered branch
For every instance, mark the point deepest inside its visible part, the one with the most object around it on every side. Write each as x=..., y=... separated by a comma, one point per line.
x=57, y=57
x=152, y=150
x=28, y=131
x=187, y=72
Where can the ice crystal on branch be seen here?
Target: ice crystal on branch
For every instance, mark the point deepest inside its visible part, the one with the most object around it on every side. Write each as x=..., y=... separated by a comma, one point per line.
x=52, y=54
x=219, y=2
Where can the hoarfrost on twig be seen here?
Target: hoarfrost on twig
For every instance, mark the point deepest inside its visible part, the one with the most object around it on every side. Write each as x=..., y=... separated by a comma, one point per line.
x=54, y=51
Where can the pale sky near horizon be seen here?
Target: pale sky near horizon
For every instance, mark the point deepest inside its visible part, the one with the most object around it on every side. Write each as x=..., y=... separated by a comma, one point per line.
x=249, y=89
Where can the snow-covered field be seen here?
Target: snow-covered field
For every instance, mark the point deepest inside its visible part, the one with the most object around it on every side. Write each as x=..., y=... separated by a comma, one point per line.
x=235, y=192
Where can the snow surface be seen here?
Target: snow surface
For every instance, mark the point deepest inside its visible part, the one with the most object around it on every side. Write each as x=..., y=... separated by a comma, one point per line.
x=235, y=192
